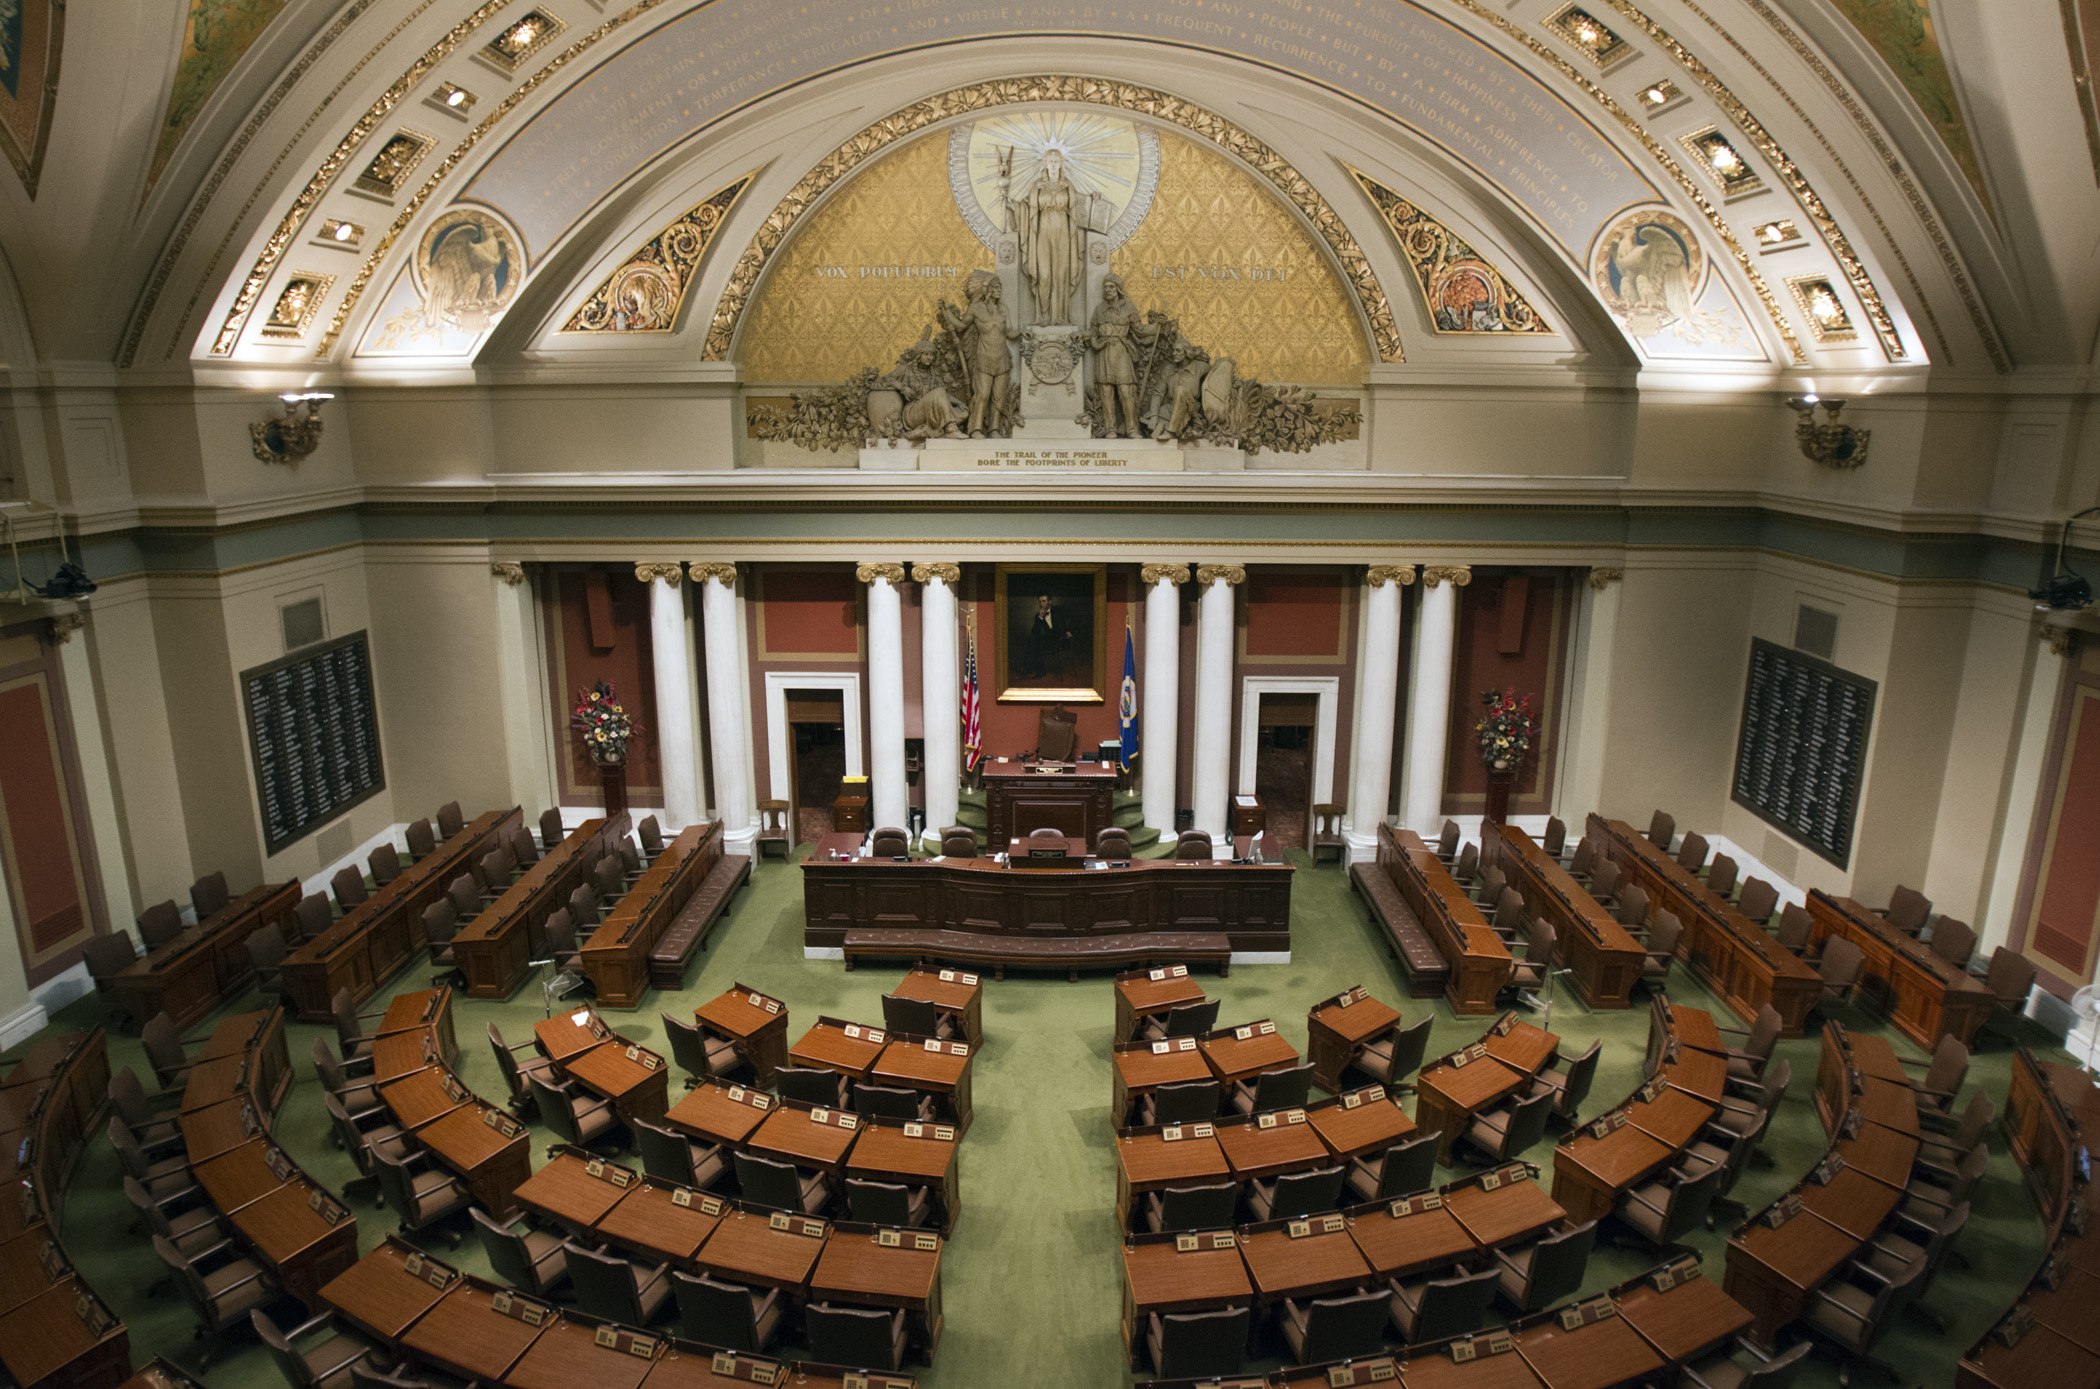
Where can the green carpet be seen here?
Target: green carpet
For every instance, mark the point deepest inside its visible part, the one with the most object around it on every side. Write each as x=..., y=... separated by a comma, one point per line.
x=1033, y=1284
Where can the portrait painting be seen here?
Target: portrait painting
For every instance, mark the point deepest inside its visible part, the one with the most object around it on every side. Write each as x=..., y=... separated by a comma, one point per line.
x=1052, y=630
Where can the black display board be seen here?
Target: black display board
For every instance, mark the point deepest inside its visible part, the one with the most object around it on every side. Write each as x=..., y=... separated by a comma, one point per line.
x=314, y=733
x=1802, y=747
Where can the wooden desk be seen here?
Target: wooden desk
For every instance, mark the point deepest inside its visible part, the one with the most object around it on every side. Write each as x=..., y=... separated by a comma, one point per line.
x=568, y=1035
x=616, y=955
x=1337, y=1028
x=302, y=1234
x=1725, y=950
x=1852, y=1201
x=1245, y=1051
x=1481, y=965
x=806, y=1136
x=756, y=1022
x=1371, y=1124
x=747, y=1248
x=1605, y=962
x=1142, y=1067
x=951, y=990
x=850, y=1048
x=486, y=1148
x=897, y=1150
x=1020, y=800
x=1673, y=1118
x=1433, y=1368
x=219, y=1128
x=1692, y=1318
x=1772, y=1273
x=422, y=1096
x=1146, y=1162
x=1892, y=1106
x=650, y=1221
x=235, y=1178
x=1313, y=1265
x=1698, y=1073
x=1695, y=1028
x=30, y=1265
x=568, y=1353
x=465, y=1334
x=567, y=1192
x=207, y=964
x=214, y=1082
x=403, y=1053
x=634, y=1079
x=1523, y=1047
x=2068, y=1309
x=385, y=1292
x=1447, y=1096
x=1143, y=994
x=1590, y=1173
x=1515, y=1211
x=1255, y=1153
x=1159, y=1278
x=938, y=1068
x=2041, y=1132
x=2043, y=1357
x=1923, y=995
x=715, y=1111
x=494, y=951
x=65, y=1339
x=1400, y=1239
x=858, y=1270
x=1885, y=1154
x=1596, y=1355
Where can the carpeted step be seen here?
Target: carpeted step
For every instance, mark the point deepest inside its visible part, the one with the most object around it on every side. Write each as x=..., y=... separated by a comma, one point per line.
x=1143, y=836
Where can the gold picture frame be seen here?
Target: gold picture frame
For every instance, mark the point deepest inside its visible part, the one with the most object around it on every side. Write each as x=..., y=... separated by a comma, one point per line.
x=1047, y=666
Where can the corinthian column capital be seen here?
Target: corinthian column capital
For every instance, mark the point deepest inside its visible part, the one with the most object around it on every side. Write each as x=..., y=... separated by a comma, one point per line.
x=949, y=574
x=1379, y=575
x=1233, y=574
x=670, y=572
x=721, y=571
x=1600, y=578
x=1458, y=575
x=869, y=573
x=1176, y=574
x=511, y=573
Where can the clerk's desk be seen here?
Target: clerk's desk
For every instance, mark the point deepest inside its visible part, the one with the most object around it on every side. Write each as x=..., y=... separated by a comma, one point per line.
x=1076, y=797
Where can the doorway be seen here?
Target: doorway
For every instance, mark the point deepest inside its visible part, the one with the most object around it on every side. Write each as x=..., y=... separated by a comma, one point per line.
x=816, y=722
x=1283, y=764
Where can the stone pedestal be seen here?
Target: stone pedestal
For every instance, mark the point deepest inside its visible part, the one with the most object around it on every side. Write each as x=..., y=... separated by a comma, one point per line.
x=1052, y=370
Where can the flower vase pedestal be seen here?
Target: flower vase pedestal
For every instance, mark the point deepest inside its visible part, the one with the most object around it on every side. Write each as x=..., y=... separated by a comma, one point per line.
x=612, y=777
x=1500, y=780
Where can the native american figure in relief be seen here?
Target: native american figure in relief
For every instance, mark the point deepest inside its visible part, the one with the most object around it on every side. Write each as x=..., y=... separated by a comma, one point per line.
x=912, y=401
x=1051, y=220
x=984, y=332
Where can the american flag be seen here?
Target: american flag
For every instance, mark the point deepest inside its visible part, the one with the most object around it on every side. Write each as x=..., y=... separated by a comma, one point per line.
x=973, y=729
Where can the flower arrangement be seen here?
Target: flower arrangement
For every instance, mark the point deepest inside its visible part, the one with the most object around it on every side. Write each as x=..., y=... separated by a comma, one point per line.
x=605, y=724
x=1505, y=728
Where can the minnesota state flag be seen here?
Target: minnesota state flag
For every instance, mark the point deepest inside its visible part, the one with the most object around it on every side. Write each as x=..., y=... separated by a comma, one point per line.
x=1127, y=702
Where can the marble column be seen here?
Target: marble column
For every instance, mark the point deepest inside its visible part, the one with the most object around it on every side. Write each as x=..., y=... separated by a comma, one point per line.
x=729, y=732
x=940, y=693
x=889, y=801
x=677, y=710
x=1159, y=749
x=1377, y=704
x=524, y=690
x=1589, y=711
x=1213, y=731
x=1429, y=698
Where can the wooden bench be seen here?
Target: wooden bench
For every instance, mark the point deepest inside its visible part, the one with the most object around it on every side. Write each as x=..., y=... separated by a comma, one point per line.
x=998, y=952
x=1427, y=972
x=687, y=934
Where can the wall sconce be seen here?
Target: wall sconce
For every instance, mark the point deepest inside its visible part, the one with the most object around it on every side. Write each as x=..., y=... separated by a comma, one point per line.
x=295, y=433
x=1830, y=443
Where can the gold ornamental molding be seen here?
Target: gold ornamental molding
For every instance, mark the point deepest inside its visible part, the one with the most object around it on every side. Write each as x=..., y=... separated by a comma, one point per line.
x=647, y=293
x=869, y=573
x=511, y=573
x=1633, y=127
x=310, y=196
x=1379, y=575
x=1205, y=125
x=1601, y=579
x=1231, y=574
x=649, y=572
x=721, y=571
x=1789, y=173
x=1457, y=575
x=949, y=574
x=1175, y=574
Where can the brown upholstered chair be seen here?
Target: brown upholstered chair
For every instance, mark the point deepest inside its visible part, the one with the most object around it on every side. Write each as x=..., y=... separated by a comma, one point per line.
x=1907, y=910
x=1632, y=912
x=524, y=849
x=1953, y=941
x=1447, y=841
x=523, y=1257
x=159, y=924
x=422, y=840
x=1720, y=876
x=1047, y=832
x=419, y=1199
x=1192, y=1346
x=1604, y=882
x=652, y=837
x=515, y=1070
x=1193, y=844
x=385, y=863
x=728, y=1315
x=208, y=894
x=614, y=1288
x=889, y=842
x=449, y=820
x=313, y=916
x=2011, y=978
x=326, y=1365
x=222, y=1287
x=1758, y=901
x=959, y=841
x=1795, y=926
x=551, y=832
x=349, y=886
x=108, y=956
x=1691, y=855
x=1056, y=735
x=1840, y=966
x=1113, y=842
x=1662, y=830
x=1555, y=841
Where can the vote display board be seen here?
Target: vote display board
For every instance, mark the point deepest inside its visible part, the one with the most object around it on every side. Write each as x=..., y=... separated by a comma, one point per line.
x=314, y=731
x=1803, y=746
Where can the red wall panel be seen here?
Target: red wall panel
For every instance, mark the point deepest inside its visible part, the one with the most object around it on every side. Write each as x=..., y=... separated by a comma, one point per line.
x=628, y=663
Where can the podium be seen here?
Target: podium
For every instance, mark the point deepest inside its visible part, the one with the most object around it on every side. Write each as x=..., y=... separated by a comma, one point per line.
x=1077, y=799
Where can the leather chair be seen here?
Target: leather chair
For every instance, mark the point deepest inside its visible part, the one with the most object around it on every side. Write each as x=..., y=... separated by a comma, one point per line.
x=533, y=1261
x=1536, y=968
x=108, y=956
x=1431, y=1309
x=1943, y=1079
x=811, y=1085
x=609, y=879
x=1908, y=910
x=222, y=1287
x=191, y=1230
x=1334, y=1328
x=888, y=1203
x=1691, y=855
x=1795, y=928
x=1555, y=839
x=889, y=842
x=1468, y=866
x=1952, y=941
x=1604, y=883
x=551, y=832
x=702, y=1052
x=1508, y=1129
x=1583, y=862
x=2010, y=979
x=499, y=870
x=351, y=1039
x=419, y=1199
x=1198, y=1345
x=1852, y=1311
x=467, y=896
x=1723, y=1369
x=449, y=820
x=1660, y=951
x=582, y=908
x=863, y=1336
x=325, y=1366
x=159, y=924
x=359, y=1097
x=1664, y=1211
x=576, y=1121
x=780, y=1186
x=422, y=840
x=1936, y=1188
x=151, y=1127
x=1728, y=1148
x=1396, y=1055
x=348, y=884
x=1047, y=832
x=1945, y=1140
x=1489, y=888
x=1739, y=1112
x=1113, y=843
x=1056, y=735
x=1758, y=901
x=1185, y=1020
x=651, y=835
x=892, y=1102
x=614, y=1288
x=1192, y=1207
x=440, y=925
x=524, y=849
x=266, y=951
x=1286, y=1088
x=1906, y=1238
x=669, y=1156
x=1662, y=829
x=1568, y=1081
x=1296, y=1193
x=515, y=1071
x=1632, y=911
x=1401, y=1170
x=1748, y=1062
x=915, y=1017
x=1190, y=1102
x=728, y=1315
x=1546, y=1270
x=1839, y=966
x=1510, y=920
x=1193, y=844
x=959, y=841
x=163, y=1043
x=560, y=932
x=208, y=894
x=1447, y=842
x=1720, y=876
x=361, y=1140
x=312, y=916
